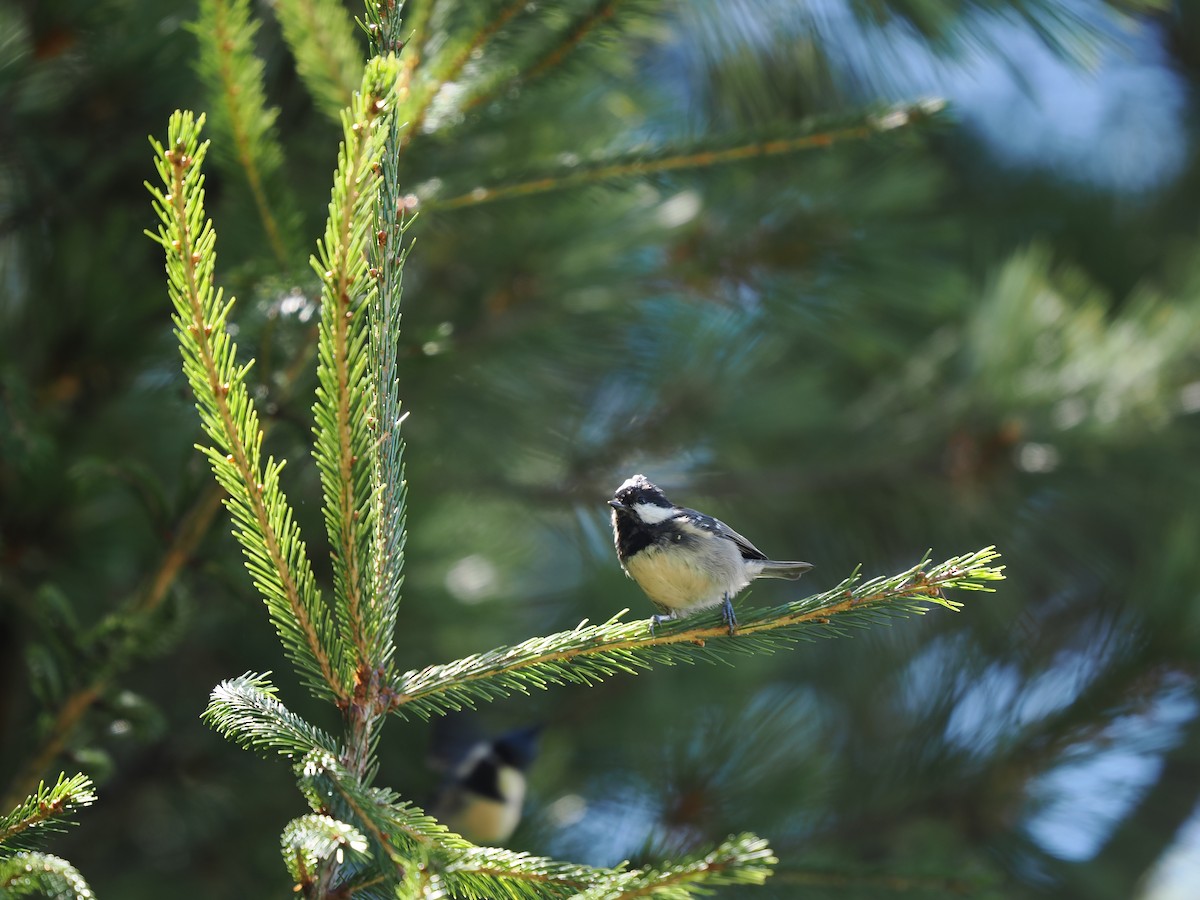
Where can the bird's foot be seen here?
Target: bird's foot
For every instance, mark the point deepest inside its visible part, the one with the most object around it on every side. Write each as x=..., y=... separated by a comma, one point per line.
x=727, y=614
x=657, y=620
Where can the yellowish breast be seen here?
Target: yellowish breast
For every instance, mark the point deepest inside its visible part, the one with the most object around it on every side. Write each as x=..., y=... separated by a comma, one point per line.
x=487, y=821
x=674, y=581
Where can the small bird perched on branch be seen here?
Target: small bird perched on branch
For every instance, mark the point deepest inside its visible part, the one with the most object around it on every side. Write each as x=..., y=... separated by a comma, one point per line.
x=684, y=560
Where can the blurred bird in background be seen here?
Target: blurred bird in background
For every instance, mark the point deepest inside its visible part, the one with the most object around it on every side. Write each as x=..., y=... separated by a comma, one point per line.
x=483, y=794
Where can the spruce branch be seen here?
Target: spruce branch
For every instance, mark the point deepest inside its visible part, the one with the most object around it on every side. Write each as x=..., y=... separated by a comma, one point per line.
x=585, y=23
x=321, y=36
x=643, y=162
x=447, y=65
x=69, y=714
x=388, y=254
x=398, y=833
x=264, y=525
x=452, y=866
x=566, y=39
x=590, y=653
x=401, y=831
x=398, y=829
x=742, y=859
x=308, y=840
x=46, y=810
x=246, y=711
x=466, y=869
x=244, y=124
x=109, y=658
x=25, y=874
x=186, y=535
x=344, y=406
x=387, y=456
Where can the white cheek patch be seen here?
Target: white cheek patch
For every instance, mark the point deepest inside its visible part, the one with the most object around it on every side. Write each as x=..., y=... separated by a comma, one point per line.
x=511, y=782
x=651, y=514
x=473, y=758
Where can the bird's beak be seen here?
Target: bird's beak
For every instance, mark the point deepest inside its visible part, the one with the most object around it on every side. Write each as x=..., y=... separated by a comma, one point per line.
x=616, y=504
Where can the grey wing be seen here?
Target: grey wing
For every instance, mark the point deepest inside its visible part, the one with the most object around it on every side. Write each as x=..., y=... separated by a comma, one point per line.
x=719, y=528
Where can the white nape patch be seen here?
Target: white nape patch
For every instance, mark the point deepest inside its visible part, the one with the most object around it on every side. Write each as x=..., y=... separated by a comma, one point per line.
x=471, y=759
x=651, y=514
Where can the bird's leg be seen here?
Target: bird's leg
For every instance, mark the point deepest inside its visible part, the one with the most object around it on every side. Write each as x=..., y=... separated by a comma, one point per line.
x=657, y=620
x=727, y=615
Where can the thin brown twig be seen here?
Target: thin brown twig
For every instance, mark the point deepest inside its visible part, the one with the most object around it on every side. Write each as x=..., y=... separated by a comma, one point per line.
x=637, y=168
x=192, y=528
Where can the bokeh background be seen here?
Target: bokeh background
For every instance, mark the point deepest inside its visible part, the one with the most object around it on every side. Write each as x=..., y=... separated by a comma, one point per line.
x=978, y=327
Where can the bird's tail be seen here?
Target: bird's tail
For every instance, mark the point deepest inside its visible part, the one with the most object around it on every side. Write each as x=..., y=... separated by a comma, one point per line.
x=773, y=568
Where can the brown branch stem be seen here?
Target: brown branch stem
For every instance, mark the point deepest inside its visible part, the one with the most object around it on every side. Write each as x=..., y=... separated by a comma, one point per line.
x=192, y=528
x=641, y=168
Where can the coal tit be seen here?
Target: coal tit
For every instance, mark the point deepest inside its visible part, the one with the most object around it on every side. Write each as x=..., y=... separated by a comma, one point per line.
x=684, y=560
x=484, y=793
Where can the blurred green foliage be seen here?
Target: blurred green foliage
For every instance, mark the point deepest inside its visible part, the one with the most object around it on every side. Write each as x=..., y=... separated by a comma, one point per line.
x=853, y=354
